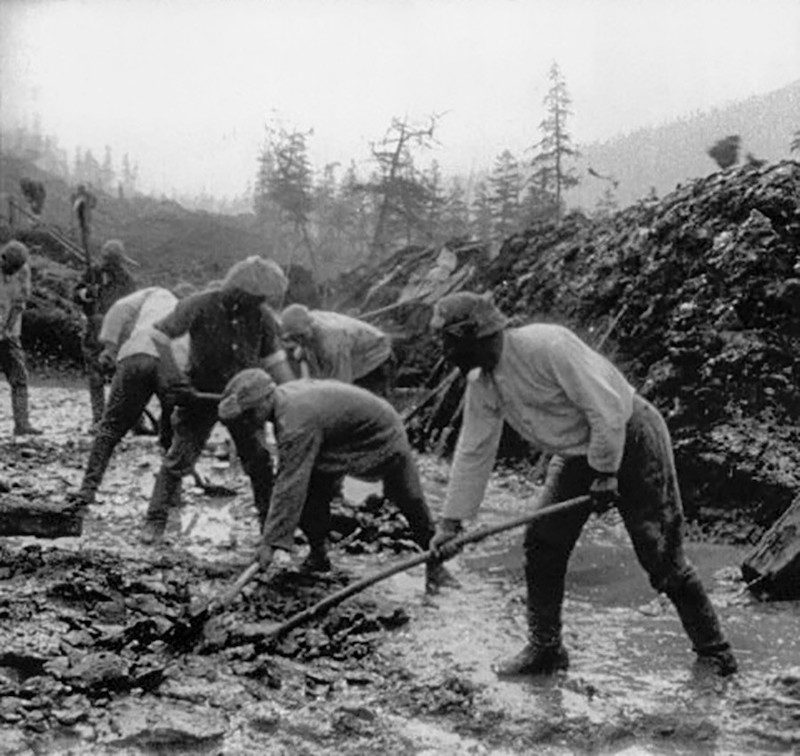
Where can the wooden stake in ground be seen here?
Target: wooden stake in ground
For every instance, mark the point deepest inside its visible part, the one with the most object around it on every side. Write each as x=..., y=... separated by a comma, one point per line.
x=772, y=568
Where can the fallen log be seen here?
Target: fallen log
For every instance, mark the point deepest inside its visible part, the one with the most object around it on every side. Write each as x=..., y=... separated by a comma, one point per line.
x=22, y=517
x=772, y=568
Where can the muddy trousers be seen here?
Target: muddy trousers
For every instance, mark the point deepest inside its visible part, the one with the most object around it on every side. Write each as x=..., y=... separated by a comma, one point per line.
x=191, y=427
x=651, y=509
x=12, y=362
x=401, y=485
x=91, y=349
x=135, y=382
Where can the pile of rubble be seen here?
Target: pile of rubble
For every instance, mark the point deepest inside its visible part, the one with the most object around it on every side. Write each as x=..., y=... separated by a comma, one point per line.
x=398, y=294
x=703, y=289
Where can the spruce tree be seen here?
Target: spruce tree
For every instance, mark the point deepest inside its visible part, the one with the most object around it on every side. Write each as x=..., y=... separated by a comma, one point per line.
x=551, y=175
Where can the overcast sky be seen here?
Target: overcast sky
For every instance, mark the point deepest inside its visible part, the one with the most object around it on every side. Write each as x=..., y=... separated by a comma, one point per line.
x=186, y=86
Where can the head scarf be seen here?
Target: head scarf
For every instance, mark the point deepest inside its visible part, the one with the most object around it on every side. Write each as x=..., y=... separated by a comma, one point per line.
x=259, y=278
x=247, y=390
x=296, y=320
x=465, y=314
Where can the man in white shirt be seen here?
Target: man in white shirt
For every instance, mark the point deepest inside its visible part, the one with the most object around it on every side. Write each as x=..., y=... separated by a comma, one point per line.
x=128, y=349
x=568, y=400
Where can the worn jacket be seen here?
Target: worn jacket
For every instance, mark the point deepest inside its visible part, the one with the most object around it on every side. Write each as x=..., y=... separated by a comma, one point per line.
x=329, y=427
x=556, y=392
x=225, y=337
x=345, y=348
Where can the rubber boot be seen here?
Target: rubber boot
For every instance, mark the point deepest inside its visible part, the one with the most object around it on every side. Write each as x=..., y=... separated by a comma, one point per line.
x=437, y=576
x=99, y=457
x=161, y=500
x=544, y=652
x=317, y=560
x=699, y=620
x=19, y=408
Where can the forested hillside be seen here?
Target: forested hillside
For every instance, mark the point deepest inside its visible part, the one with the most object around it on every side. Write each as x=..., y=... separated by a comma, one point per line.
x=672, y=153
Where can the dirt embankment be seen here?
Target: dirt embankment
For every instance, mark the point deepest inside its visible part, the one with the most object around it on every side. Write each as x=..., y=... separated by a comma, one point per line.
x=701, y=294
x=706, y=284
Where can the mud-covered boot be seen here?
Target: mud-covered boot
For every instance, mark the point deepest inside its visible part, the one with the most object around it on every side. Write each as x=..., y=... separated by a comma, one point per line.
x=316, y=561
x=535, y=659
x=152, y=532
x=717, y=659
x=544, y=653
x=99, y=457
x=700, y=621
x=437, y=576
x=161, y=500
x=19, y=408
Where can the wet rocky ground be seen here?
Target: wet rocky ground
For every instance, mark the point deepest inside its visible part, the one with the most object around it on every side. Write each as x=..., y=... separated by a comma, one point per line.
x=85, y=668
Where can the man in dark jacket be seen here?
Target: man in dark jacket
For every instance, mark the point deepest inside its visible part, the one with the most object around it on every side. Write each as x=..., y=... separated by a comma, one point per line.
x=567, y=399
x=326, y=429
x=100, y=287
x=230, y=329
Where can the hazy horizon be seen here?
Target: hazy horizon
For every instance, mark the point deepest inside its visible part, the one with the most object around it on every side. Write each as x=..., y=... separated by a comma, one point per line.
x=186, y=88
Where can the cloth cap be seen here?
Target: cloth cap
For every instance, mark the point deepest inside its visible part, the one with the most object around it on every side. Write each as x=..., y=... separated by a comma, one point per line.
x=247, y=390
x=13, y=256
x=296, y=320
x=467, y=314
x=113, y=253
x=258, y=277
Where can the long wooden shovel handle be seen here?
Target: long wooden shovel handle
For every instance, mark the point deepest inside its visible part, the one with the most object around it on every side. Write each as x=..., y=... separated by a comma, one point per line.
x=462, y=540
x=240, y=583
x=223, y=600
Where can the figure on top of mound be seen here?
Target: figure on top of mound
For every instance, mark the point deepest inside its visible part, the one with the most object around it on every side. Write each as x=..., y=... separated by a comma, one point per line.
x=569, y=400
x=332, y=345
x=230, y=328
x=101, y=286
x=15, y=290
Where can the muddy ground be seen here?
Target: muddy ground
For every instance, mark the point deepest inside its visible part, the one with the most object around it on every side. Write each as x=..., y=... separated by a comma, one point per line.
x=84, y=668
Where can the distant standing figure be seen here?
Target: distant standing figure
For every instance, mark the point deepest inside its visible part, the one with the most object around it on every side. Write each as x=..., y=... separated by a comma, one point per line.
x=100, y=287
x=15, y=290
x=338, y=346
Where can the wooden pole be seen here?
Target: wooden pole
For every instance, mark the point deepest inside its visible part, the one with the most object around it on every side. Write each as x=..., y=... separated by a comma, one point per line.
x=462, y=540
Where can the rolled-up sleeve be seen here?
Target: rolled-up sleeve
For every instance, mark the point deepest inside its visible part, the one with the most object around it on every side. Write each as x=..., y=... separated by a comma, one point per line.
x=298, y=453
x=475, y=452
x=116, y=322
x=179, y=321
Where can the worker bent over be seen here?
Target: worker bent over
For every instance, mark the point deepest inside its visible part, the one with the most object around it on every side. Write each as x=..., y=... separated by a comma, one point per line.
x=332, y=345
x=567, y=399
x=326, y=429
x=230, y=329
x=131, y=353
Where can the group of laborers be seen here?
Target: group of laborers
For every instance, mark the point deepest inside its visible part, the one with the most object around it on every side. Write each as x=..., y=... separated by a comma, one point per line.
x=229, y=341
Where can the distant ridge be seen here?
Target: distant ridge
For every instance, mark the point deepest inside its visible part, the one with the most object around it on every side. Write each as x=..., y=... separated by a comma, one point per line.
x=663, y=156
